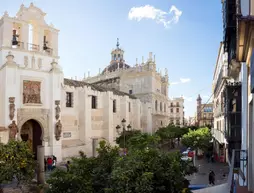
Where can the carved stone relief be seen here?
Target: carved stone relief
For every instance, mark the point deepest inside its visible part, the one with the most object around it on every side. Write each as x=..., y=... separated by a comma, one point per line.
x=58, y=109
x=26, y=61
x=13, y=130
x=31, y=92
x=11, y=107
x=58, y=130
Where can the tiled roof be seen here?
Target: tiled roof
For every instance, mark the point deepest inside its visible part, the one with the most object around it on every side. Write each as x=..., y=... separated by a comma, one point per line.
x=77, y=83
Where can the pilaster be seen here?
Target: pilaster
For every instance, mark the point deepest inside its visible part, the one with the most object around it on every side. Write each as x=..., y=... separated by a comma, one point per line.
x=56, y=78
x=87, y=129
x=125, y=109
x=108, y=117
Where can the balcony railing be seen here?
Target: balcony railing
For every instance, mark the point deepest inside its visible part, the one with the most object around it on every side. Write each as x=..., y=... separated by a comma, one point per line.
x=30, y=47
x=33, y=47
x=237, y=175
x=18, y=44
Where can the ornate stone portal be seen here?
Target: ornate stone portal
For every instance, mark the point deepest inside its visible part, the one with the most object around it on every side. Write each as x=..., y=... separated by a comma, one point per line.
x=11, y=107
x=58, y=130
x=40, y=115
x=31, y=92
x=13, y=130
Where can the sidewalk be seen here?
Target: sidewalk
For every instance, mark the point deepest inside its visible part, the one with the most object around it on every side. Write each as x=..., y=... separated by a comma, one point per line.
x=221, y=171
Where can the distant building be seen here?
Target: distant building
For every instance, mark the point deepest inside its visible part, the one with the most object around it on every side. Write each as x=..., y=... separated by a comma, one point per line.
x=204, y=113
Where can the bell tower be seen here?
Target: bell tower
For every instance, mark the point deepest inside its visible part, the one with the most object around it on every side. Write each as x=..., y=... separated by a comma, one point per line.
x=199, y=102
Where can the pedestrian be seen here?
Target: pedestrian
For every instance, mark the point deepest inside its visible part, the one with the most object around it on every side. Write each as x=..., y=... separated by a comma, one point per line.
x=49, y=163
x=68, y=166
x=211, y=178
x=45, y=164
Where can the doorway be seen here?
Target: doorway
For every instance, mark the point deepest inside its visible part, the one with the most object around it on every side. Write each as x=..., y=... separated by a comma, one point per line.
x=31, y=132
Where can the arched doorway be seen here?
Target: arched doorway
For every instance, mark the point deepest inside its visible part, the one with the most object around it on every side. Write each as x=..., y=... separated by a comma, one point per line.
x=31, y=132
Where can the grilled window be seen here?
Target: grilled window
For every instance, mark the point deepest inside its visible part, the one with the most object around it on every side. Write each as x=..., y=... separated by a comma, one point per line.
x=114, y=106
x=94, y=102
x=69, y=99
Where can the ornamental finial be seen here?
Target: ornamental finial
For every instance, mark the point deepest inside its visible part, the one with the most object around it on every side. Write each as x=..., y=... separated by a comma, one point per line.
x=117, y=44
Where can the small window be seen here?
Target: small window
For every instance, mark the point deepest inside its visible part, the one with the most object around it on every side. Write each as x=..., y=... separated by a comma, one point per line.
x=114, y=106
x=171, y=104
x=130, y=91
x=129, y=107
x=160, y=106
x=171, y=110
x=161, y=123
x=94, y=102
x=69, y=99
x=177, y=110
x=156, y=104
x=177, y=104
x=165, y=108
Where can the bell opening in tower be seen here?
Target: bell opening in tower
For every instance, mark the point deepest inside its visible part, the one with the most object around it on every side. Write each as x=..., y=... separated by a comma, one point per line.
x=30, y=34
x=15, y=36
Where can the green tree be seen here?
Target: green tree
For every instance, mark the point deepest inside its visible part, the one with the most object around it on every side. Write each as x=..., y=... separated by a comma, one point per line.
x=140, y=171
x=143, y=141
x=86, y=175
x=198, y=139
x=150, y=171
x=128, y=135
x=16, y=160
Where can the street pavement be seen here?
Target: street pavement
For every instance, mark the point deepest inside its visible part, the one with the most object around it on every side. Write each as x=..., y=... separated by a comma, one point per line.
x=221, y=171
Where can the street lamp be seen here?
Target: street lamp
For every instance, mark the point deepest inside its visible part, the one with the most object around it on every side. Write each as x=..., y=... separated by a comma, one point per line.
x=118, y=127
x=129, y=127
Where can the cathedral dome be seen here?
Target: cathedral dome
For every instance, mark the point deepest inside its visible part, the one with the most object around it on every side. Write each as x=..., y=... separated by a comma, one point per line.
x=114, y=66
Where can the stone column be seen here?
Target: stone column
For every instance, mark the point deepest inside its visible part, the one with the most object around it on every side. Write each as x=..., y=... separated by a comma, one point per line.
x=88, y=121
x=40, y=167
x=108, y=117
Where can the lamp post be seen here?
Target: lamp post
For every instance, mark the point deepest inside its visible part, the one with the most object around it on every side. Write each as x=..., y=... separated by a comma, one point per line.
x=124, y=132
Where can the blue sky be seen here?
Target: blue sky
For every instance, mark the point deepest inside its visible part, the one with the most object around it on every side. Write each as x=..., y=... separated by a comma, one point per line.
x=89, y=28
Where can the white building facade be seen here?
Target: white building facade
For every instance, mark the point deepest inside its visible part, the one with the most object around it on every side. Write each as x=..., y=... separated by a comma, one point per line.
x=219, y=80
x=42, y=107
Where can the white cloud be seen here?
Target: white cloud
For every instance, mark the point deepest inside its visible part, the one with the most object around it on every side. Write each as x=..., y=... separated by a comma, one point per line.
x=158, y=15
x=182, y=81
x=172, y=83
x=185, y=80
x=189, y=99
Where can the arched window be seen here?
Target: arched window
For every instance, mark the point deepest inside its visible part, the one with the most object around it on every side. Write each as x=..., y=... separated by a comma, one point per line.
x=156, y=104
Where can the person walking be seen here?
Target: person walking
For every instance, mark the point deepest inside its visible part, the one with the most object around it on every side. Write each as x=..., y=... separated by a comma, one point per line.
x=68, y=166
x=211, y=178
x=49, y=163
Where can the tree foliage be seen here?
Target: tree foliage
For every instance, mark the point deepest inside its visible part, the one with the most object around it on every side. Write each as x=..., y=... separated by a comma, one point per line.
x=142, y=170
x=128, y=135
x=16, y=160
x=197, y=139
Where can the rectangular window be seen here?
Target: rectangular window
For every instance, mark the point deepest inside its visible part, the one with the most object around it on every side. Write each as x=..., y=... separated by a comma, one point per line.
x=69, y=99
x=171, y=110
x=114, y=106
x=177, y=110
x=94, y=102
x=130, y=91
x=129, y=107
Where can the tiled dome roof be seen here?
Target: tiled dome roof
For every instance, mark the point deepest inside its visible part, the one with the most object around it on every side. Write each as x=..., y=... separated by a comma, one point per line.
x=114, y=66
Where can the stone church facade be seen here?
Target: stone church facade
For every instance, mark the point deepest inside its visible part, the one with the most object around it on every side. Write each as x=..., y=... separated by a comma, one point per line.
x=42, y=107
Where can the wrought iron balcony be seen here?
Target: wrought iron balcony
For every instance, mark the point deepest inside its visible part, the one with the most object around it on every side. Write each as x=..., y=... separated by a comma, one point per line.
x=229, y=28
